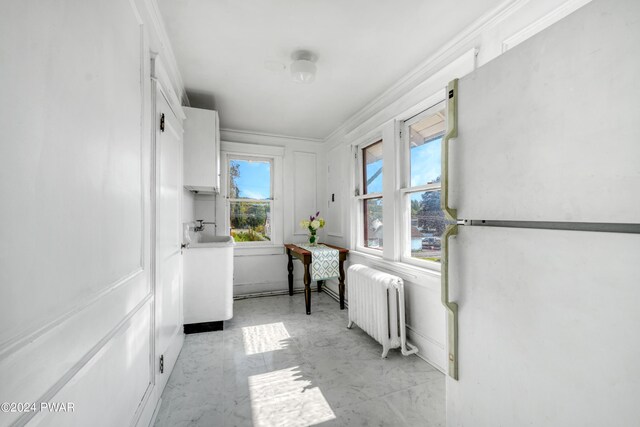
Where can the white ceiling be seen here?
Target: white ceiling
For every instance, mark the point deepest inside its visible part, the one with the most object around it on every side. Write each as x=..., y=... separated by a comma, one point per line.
x=229, y=51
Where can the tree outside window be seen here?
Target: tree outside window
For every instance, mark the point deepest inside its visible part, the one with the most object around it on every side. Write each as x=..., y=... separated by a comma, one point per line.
x=250, y=198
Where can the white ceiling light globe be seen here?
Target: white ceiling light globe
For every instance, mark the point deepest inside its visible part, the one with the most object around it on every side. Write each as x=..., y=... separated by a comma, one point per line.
x=303, y=71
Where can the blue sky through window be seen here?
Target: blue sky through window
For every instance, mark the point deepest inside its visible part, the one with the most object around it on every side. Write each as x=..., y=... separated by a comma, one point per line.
x=425, y=164
x=374, y=186
x=254, y=181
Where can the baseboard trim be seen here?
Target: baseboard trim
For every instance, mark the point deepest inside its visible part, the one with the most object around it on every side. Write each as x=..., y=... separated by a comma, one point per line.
x=325, y=289
x=154, y=416
x=429, y=350
x=334, y=295
x=267, y=294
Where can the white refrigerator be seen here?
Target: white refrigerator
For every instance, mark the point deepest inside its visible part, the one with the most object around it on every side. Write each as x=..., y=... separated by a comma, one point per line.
x=541, y=170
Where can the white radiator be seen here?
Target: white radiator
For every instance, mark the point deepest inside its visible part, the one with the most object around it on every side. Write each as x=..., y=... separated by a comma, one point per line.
x=376, y=305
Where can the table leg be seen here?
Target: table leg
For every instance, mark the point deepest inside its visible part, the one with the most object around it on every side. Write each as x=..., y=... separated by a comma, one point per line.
x=320, y=283
x=290, y=269
x=307, y=288
x=341, y=285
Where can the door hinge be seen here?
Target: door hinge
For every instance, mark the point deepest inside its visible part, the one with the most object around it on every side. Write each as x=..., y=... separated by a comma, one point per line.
x=162, y=363
x=357, y=192
x=162, y=122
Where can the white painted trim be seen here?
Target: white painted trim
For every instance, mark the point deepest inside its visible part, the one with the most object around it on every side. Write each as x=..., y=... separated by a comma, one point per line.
x=170, y=62
x=429, y=350
x=276, y=154
x=242, y=289
x=408, y=272
x=296, y=290
x=334, y=295
x=373, y=252
x=435, y=62
x=271, y=135
x=99, y=348
x=251, y=149
x=240, y=251
x=27, y=337
x=368, y=196
x=335, y=234
x=154, y=415
x=422, y=96
x=419, y=263
x=172, y=349
x=549, y=19
x=143, y=413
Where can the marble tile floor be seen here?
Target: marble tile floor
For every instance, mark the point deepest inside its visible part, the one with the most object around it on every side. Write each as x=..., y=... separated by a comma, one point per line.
x=275, y=366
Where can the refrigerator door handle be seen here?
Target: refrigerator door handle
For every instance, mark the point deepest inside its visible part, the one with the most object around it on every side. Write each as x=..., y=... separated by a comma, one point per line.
x=452, y=132
x=452, y=307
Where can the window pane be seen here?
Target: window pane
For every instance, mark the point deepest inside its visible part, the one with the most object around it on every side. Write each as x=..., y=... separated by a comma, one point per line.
x=425, y=138
x=250, y=221
x=373, y=223
x=372, y=158
x=250, y=179
x=427, y=225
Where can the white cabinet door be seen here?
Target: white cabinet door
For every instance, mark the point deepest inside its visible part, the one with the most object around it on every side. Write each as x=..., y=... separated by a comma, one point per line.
x=201, y=150
x=168, y=282
x=548, y=326
x=549, y=131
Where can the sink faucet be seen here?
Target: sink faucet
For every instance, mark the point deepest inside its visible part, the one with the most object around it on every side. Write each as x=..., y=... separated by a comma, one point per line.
x=201, y=224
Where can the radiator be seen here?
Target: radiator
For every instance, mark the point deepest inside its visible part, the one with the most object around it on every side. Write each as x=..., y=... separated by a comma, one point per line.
x=376, y=305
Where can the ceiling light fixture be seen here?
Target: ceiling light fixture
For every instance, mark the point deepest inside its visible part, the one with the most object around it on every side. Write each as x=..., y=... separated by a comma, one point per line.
x=303, y=67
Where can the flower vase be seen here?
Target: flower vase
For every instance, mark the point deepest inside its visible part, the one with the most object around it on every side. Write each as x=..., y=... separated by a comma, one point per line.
x=313, y=239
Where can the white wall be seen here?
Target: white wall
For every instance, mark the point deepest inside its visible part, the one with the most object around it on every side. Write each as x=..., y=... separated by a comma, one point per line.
x=76, y=301
x=188, y=206
x=266, y=273
x=490, y=36
x=205, y=208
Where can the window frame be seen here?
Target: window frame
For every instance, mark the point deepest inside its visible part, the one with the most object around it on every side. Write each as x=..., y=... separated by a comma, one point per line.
x=406, y=189
x=260, y=158
x=361, y=198
x=237, y=150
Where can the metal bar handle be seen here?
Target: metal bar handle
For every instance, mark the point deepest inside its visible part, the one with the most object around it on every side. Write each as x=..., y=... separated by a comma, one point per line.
x=452, y=132
x=452, y=307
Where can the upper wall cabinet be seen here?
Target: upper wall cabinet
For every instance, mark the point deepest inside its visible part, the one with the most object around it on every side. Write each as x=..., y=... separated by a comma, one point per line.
x=201, y=150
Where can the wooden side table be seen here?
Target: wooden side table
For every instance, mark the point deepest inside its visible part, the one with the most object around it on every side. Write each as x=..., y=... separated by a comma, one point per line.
x=305, y=256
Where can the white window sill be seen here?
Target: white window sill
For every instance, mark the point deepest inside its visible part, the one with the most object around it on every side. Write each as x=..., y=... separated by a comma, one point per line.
x=377, y=253
x=405, y=270
x=240, y=250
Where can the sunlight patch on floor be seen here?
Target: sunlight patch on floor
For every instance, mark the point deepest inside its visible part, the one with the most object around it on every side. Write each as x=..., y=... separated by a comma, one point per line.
x=285, y=398
x=264, y=338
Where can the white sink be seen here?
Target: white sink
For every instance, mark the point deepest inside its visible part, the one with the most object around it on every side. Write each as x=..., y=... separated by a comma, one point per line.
x=208, y=278
x=209, y=241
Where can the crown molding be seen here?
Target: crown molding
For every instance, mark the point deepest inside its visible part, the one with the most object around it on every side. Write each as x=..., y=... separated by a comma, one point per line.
x=244, y=134
x=165, y=50
x=463, y=41
x=546, y=21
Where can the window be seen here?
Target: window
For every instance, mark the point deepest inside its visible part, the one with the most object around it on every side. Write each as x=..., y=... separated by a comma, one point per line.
x=371, y=199
x=424, y=220
x=250, y=193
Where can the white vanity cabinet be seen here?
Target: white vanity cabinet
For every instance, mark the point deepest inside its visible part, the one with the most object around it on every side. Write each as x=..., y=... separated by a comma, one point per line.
x=201, y=150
